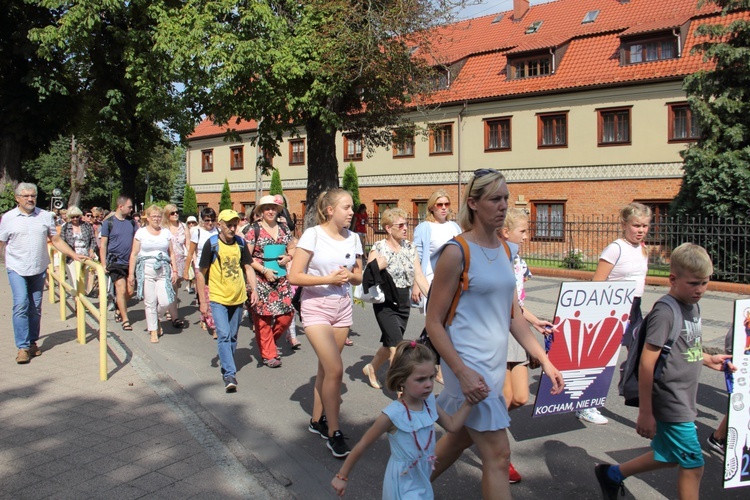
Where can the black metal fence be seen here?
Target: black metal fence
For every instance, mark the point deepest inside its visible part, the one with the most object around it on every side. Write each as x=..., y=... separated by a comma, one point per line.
x=577, y=242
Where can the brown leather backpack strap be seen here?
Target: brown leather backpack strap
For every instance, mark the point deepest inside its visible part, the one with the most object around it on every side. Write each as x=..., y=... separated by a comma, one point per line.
x=463, y=280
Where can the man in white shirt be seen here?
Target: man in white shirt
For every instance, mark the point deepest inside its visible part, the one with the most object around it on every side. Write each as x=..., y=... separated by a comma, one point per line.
x=24, y=232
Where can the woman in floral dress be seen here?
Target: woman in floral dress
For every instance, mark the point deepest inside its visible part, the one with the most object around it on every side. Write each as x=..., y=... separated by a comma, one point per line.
x=271, y=244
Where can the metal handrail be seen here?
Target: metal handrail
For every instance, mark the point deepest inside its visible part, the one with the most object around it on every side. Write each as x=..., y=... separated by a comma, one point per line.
x=82, y=303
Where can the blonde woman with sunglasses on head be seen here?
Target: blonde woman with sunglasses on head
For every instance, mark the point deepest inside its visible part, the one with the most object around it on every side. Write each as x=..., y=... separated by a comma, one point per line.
x=474, y=347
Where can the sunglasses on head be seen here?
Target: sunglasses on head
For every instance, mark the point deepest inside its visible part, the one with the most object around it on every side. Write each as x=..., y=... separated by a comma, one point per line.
x=484, y=171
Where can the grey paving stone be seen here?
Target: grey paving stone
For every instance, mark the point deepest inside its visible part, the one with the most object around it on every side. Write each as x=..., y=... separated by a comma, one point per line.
x=104, y=465
x=127, y=473
x=92, y=440
x=74, y=476
x=82, y=457
x=131, y=454
x=52, y=468
x=152, y=481
x=184, y=450
x=124, y=492
x=181, y=469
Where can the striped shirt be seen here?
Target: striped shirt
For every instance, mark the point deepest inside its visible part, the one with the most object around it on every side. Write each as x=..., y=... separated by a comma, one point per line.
x=25, y=236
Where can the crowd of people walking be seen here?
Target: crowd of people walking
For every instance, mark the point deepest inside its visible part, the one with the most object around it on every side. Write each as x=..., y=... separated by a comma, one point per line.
x=479, y=331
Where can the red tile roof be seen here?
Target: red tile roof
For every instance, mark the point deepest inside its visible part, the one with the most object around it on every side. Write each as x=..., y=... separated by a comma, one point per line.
x=592, y=50
x=208, y=128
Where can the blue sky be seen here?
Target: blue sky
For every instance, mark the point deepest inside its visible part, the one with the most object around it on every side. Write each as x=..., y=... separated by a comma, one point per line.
x=486, y=7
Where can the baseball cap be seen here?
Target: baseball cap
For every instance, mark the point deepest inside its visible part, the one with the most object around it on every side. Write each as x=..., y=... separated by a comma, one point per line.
x=227, y=215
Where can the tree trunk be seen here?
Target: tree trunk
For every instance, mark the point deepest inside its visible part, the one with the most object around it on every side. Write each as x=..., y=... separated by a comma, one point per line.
x=128, y=173
x=78, y=163
x=322, y=165
x=10, y=161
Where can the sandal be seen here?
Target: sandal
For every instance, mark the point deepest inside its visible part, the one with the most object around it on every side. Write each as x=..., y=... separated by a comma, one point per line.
x=296, y=344
x=179, y=323
x=348, y=342
x=118, y=316
x=127, y=326
x=154, y=337
x=168, y=317
x=372, y=377
x=203, y=325
x=213, y=334
x=272, y=363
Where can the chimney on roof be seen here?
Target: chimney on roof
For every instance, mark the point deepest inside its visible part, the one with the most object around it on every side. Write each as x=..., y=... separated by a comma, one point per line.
x=520, y=8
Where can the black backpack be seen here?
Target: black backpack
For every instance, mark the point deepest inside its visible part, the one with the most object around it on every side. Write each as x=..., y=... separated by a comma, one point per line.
x=628, y=385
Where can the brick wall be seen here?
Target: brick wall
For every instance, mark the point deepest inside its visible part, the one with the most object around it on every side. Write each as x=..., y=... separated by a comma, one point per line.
x=581, y=197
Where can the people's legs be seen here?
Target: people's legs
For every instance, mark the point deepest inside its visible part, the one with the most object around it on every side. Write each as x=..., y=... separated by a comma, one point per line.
x=281, y=324
x=21, y=306
x=381, y=355
x=516, y=388
x=641, y=464
x=720, y=434
x=36, y=290
x=264, y=336
x=448, y=449
x=121, y=301
x=689, y=483
x=150, y=297
x=226, y=341
x=494, y=450
x=328, y=343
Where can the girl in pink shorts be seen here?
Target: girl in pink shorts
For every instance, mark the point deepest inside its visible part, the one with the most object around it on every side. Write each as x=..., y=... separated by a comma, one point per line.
x=326, y=263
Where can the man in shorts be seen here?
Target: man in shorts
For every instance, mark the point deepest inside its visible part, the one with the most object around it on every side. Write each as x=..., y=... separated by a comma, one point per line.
x=116, y=243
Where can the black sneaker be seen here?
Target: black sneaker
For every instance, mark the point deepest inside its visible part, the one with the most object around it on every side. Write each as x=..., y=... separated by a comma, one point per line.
x=320, y=427
x=230, y=384
x=608, y=486
x=717, y=445
x=337, y=445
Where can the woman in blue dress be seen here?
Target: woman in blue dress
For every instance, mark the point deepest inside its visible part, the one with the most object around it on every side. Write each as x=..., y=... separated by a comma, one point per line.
x=474, y=346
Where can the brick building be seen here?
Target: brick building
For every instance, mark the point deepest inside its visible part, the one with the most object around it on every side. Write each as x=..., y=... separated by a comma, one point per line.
x=578, y=102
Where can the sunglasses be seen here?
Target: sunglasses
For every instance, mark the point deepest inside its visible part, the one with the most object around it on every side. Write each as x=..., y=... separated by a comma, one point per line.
x=88, y=215
x=402, y=225
x=174, y=213
x=443, y=205
x=209, y=220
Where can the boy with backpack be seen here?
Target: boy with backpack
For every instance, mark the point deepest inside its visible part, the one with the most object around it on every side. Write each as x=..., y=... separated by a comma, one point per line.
x=668, y=403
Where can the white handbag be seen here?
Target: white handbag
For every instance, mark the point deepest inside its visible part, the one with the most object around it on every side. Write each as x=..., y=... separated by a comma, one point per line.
x=374, y=294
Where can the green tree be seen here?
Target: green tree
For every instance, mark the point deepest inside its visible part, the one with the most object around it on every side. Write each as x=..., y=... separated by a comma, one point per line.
x=32, y=113
x=113, y=198
x=148, y=198
x=189, y=202
x=180, y=180
x=226, y=197
x=124, y=88
x=717, y=167
x=350, y=182
x=325, y=65
x=275, y=183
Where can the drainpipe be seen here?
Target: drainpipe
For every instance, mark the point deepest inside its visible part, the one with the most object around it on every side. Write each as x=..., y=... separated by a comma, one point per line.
x=554, y=63
x=458, y=147
x=676, y=33
x=258, y=153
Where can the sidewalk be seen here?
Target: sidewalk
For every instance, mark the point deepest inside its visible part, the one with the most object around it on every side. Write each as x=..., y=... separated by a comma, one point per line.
x=66, y=434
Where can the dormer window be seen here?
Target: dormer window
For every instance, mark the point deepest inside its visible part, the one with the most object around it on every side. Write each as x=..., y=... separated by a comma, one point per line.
x=441, y=79
x=534, y=27
x=590, y=17
x=538, y=65
x=647, y=50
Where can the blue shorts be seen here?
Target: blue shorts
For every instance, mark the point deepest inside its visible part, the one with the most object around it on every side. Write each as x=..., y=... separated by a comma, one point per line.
x=677, y=443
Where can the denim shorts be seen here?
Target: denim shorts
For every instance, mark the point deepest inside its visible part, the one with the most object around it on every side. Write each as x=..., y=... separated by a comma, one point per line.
x=334, y=310
x=677, y=443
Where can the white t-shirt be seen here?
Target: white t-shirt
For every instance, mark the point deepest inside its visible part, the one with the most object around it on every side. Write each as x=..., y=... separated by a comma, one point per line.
x=200, y=236
x=328, y=255
x=153, y=244
x=630, y=264
x=439, y=235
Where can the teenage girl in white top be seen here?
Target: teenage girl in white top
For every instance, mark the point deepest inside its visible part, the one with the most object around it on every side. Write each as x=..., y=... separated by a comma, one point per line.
x=625, y=259
x=326, y=263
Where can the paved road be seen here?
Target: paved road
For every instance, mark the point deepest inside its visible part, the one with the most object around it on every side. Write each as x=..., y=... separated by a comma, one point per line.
x=264, y=424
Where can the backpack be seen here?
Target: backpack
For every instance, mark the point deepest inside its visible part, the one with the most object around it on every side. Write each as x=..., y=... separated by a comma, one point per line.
x=214, y=240
x=628, y=385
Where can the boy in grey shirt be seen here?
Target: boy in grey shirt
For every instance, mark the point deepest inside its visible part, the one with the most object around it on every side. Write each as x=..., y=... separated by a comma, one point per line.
x=668, y=406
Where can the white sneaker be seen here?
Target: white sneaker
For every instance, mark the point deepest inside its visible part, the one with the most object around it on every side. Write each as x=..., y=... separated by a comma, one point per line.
x=592, y=415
